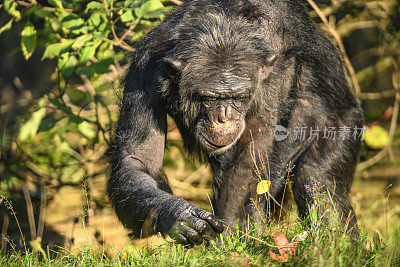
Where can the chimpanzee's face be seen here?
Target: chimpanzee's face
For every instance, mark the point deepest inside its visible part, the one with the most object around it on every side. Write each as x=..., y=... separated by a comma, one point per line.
x=214, y=102
x=224, y=104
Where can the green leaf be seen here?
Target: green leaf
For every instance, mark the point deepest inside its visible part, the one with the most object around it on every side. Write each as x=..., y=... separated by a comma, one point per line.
x=81, y=40
x=102, y=67
x=105, y=51
x=66, y=64
x=28, y=40
x=56, y=102
x=55, y=24
x=29, y=129
x=87, y=130
x=72, y=23
x=57, y=4
x=47, y=124
x=86, y=53
x=7, y=26
x=150, y=9
x=10, y=8
x=87, y=71
x=376, y=137
x=127, y=16
x=94, y=5
x=98, y=21
x=75, y=119
x=38, y=11
x=77, y=97
x=54, y=50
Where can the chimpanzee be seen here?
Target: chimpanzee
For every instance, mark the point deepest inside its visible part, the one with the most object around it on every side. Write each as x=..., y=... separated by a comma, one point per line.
x=231, y=72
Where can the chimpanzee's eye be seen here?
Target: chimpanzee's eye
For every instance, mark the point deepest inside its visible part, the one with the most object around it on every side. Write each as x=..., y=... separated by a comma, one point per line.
x=208, y=101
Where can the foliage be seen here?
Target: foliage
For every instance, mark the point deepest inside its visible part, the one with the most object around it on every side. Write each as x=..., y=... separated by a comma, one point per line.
x=316, y=245
x=62, y=137
x=371, y=32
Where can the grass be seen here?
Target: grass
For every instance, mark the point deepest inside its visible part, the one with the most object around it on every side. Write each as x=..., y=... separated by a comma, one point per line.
x=322, y=246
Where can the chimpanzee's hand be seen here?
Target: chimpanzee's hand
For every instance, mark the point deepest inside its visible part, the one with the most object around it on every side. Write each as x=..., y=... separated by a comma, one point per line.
x=186, y=223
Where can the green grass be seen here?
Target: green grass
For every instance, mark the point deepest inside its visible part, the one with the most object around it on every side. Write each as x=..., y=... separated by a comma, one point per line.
x=321, y=247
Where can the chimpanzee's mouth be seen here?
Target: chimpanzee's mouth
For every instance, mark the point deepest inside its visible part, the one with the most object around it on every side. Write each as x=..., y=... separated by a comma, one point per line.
x=210, y=144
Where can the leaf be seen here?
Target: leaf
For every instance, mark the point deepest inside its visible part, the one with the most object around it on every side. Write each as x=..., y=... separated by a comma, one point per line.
x=150, y=10
x=245, y=262
x=72, y=23
x=301, y=237
x=10, y=8
x=87, y=71
x=7, y=26
x=28, y=40
x=99, y=21
x=54, y=50
x=59, y=105
x=376, y=137
x=47, y=124
x=285, y=248
x=29, y=129
x=86, y=54
x=75, y=119
x=87, y=130
x=38, y=11
x=66, y=64
x=81, y=40
x=57, y=4
x=263, y=187
x=102, y=67
x=94, y=5
x=127, y=16
x=234, y=258
x=55, y=24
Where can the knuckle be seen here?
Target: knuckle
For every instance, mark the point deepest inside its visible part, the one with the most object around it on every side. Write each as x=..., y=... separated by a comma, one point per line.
x=201, y=226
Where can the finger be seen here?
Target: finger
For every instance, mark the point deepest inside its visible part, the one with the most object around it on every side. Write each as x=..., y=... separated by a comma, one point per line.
x=212, y=220
x=192, y=235
x=181, y=239
x=203, y=228
x=176, y=233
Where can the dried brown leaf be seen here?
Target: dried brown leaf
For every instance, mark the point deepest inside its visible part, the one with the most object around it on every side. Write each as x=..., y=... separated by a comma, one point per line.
x=285, y=248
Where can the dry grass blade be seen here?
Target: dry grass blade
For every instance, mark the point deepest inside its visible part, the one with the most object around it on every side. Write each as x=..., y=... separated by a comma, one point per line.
x=9, y=206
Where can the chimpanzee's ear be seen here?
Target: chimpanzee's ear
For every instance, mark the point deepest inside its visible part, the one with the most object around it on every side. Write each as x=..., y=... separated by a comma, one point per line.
x=270, y=58
x=268, y=65
x=172, y=68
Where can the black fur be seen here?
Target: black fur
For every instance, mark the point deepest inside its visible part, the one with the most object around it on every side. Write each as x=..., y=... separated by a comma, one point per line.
x=288, y=72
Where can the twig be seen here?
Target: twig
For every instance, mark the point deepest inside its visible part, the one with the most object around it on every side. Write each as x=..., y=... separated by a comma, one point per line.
x=372, y=161
x=339, y=41
x=42, y=214
x=377, y=96
x=395, y=116
x=46, y=8
x=381, y=174
x=176, y=2
x=29, y=210
x=133, y=26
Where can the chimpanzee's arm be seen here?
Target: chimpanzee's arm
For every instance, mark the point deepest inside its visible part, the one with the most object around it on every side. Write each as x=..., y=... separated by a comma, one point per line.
x=137, y=187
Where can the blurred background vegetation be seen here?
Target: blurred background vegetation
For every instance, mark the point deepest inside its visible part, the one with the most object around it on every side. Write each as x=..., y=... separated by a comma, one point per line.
x=61, y=65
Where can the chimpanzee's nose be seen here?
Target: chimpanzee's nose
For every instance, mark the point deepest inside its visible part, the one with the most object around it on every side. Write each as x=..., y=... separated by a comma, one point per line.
x=224, y=113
